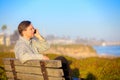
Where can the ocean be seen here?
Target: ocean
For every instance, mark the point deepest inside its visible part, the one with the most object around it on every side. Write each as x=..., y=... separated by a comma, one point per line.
x=108, y=50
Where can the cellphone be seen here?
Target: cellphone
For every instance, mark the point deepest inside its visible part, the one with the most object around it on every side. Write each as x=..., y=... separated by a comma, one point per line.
x=34, y=31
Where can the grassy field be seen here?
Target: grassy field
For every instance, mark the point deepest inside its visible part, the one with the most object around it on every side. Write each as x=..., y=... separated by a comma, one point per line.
x=93, y=68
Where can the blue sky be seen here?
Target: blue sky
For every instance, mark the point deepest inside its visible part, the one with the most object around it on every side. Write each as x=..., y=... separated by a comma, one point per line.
x=98, y=19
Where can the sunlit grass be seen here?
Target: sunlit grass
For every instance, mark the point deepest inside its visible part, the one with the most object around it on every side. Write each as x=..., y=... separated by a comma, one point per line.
x=95, y=68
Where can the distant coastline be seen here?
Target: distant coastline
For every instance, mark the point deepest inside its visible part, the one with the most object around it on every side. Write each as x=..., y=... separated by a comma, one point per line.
x=108, y=51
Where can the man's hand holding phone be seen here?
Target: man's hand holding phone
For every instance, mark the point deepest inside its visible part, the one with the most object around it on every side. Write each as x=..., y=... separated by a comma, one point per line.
x=37, y=34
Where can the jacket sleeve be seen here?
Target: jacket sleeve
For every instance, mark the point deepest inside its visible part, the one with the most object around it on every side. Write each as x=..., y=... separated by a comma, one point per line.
x=41, y=45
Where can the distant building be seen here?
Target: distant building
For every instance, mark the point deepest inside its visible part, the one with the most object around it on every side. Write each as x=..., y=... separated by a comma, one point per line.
x=4, y=40
x=61, y=41
x=103, y=44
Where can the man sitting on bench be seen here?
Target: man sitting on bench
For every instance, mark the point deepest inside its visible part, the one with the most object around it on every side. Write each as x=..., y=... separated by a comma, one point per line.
x=31, y=44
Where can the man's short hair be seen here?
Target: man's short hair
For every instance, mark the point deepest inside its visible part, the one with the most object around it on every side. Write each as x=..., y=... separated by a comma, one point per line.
x=22, y=26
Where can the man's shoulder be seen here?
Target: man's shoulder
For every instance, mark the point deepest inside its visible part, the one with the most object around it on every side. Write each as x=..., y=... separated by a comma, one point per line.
x=20, y=42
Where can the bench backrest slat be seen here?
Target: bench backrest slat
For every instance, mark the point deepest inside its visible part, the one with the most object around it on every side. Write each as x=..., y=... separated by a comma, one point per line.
x=35, y=70
x=48, y=63
x=22, y=76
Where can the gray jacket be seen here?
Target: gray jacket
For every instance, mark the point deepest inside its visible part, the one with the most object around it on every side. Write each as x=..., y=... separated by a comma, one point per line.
x=30, y=49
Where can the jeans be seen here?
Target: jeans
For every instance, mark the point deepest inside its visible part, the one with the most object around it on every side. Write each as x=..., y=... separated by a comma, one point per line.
x=65, y=67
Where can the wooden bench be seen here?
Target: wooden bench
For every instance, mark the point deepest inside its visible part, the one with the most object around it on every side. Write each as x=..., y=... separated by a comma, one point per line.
x=33, y=69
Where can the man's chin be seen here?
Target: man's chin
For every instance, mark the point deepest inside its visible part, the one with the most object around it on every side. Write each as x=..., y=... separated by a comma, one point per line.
x=32, y=36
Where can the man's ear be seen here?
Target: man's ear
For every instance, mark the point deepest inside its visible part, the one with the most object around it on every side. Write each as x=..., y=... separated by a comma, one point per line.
x=23, y=33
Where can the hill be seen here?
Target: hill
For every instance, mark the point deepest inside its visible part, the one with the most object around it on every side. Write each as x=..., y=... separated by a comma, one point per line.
x=73, y=50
